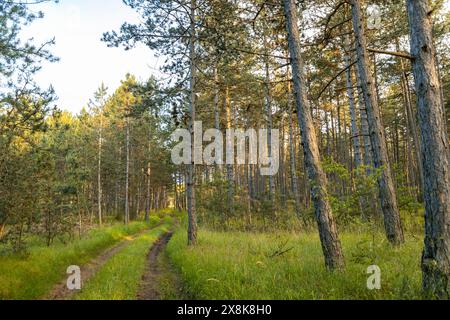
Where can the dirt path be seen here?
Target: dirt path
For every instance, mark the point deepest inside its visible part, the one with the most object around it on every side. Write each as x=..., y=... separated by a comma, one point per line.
x=60, y=290
x=158, y=281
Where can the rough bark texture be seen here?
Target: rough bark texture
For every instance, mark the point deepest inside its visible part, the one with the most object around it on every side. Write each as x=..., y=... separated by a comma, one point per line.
x=331, y=244
x=192, y=217
x=365, y=128
x=435, y=152
x=294, y=177
x=388, y=198
x=412, y=125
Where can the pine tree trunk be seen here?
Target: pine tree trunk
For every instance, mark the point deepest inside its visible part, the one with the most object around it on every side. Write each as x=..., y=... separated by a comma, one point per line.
x=327, y=128
x=282, y=171
x=148, y=192
x=339, y=131
x=216, y=100
x=148, y=177
x=192, y=217
x=294, y=178
x=331, y=244
x=175, y=191
x=99, y=171
x=269, y=117
x=230, y=172
x=412, y=127
x=368, y=158
x=127, y=172
x=218, y=167
x=388, y=198
x=353, y=112
x=333, y=129
x=435, y=152
x=138, y=200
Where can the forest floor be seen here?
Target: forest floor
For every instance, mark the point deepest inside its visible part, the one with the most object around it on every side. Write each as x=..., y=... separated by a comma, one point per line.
x=289, y=266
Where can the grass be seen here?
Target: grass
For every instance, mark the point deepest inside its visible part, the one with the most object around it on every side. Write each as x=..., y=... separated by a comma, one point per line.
x=32, y=276
x=170, y=286
x=239, y=266
x=119, y=278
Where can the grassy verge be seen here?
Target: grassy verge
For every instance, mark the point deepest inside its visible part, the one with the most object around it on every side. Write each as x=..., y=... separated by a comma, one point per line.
x=170, y=284
x=120, y=277
x=32, y=276
x=290, y=266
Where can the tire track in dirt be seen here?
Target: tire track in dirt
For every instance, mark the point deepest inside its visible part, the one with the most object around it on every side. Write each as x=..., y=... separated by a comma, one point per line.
x=150, y=285
x=60, y=290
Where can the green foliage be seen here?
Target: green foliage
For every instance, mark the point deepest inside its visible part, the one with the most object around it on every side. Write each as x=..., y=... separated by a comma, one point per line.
x=23, y=105
x=407, y=194
x=354, y=194
x=47, y=175
x=13, y=16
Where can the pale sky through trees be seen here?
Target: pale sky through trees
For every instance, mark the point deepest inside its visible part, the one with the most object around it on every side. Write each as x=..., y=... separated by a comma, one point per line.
x=85, y=61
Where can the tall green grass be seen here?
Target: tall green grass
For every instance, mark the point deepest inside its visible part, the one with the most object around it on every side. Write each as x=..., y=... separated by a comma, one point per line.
x=290, y=266
x=120, y=277
x=32, y=276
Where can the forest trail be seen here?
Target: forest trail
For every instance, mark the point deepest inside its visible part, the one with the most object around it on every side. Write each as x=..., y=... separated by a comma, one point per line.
x=60, y=290
x=331, y=151
x=159, y=281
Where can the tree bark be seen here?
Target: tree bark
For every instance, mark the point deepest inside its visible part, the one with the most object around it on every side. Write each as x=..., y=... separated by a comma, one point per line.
x=229, y=168
x=294, y=177
x=331, y=245
x=269, y=116
x=368, y=157
x=192, y=217
x=353, y=113
x=388, y=198
x=435, y=152
x=218, y=167
x=412, y=127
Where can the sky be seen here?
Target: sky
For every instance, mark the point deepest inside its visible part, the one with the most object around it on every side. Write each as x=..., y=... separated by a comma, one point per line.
x=85, y=61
